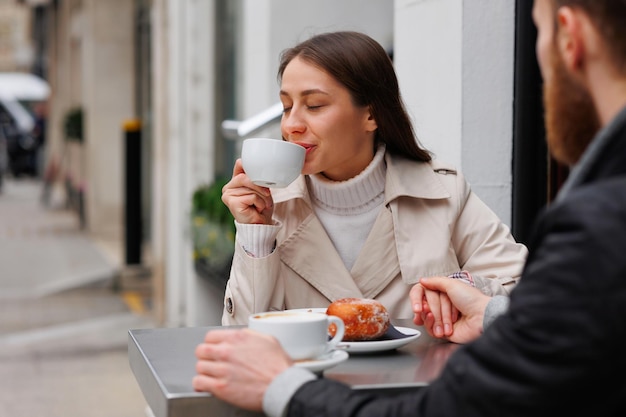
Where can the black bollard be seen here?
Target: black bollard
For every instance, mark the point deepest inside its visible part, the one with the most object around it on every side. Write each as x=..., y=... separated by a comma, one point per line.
x=132, y=212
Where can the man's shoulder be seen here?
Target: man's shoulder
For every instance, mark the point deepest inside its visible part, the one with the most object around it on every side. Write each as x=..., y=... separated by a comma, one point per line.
x=597, y=210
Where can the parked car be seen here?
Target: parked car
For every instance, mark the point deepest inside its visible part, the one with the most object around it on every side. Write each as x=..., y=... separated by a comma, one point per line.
x=20, y=141
x=4, y=159
x=24, y=87
x=16, y=129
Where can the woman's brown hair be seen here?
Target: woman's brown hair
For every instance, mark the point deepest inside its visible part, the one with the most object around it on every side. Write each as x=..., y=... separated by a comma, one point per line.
x=361, y=64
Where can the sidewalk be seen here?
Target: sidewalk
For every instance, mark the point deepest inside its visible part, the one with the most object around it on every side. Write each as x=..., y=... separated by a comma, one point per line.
x=43, y=249
x=63, y=333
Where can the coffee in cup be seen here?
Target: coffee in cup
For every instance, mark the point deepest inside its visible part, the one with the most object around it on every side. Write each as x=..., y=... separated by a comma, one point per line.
x=303, y=335
x=272, y=162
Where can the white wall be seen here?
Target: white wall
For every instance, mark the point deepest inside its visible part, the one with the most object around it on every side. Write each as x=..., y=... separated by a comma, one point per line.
x=269, y=26
x=455, y=61
x=487, y=101
x=185, y=151
x=428, y=56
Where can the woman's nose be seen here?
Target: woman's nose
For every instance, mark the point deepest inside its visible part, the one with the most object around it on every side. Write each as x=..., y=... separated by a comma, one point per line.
x=291, y=122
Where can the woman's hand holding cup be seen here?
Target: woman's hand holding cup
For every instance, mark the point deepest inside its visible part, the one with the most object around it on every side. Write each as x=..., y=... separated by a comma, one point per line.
x=264, y=163
x=247, y=202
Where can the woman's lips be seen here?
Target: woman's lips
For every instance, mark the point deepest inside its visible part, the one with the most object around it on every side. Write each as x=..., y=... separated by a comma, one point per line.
x=308, y=147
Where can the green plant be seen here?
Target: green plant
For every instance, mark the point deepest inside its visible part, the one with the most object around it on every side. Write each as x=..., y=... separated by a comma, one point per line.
x=208, y=199
x=73, y=124
x=213, y=231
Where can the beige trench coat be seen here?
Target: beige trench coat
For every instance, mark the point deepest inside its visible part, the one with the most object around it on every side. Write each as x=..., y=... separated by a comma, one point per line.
x=431, y=224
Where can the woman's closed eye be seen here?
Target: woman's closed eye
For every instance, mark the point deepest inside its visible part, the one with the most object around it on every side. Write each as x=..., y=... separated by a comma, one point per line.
x=309, y=107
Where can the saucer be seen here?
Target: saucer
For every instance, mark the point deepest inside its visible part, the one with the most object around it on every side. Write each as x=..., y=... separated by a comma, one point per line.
x=370, y=346
x=323, y=362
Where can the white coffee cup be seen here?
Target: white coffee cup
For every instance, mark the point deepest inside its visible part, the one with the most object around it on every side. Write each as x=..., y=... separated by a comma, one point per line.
x=272, y=162
x=303, y=335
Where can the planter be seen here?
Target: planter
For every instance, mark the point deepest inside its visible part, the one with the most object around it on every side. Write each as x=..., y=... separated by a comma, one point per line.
x=213, y=234
x=213, y=248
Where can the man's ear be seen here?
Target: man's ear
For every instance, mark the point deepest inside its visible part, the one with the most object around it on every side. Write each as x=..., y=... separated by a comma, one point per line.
x=570, y=40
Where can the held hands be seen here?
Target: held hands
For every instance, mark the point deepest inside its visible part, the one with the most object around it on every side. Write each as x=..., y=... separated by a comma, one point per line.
x=229, y=367
x=449, y=308
x=435, y=305
x=248, y=203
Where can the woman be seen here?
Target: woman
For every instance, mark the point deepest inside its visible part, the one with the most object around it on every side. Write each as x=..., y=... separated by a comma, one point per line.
x=371, y=213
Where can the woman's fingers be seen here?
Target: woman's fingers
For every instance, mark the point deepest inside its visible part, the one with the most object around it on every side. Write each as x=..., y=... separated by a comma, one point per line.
x=446, y=313
x=416, y=296
x=247, y=202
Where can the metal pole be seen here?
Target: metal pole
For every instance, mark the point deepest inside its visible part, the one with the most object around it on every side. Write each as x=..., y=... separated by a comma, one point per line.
x=530, y=151
x=132, y=214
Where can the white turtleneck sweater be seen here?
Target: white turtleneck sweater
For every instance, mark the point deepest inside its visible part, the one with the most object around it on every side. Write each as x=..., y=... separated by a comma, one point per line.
x=346, y=209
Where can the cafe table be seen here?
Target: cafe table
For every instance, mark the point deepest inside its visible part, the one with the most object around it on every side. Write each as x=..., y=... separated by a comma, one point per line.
x=163, y=362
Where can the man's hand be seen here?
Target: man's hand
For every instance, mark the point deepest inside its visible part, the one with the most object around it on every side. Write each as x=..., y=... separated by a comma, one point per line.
x=469, y=302
x=237, y=366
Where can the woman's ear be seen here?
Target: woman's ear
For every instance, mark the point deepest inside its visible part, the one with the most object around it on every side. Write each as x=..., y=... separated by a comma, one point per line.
x=370, y=122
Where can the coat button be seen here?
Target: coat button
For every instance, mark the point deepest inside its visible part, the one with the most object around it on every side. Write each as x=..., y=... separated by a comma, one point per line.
x=229, y=305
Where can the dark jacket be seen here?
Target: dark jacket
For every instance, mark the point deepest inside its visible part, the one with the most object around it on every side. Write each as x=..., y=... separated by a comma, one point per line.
x=559, y=350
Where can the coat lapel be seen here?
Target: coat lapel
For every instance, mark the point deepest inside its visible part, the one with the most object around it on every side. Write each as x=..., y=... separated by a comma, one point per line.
x=311, y=254
x=377, y=263
x=375, y=267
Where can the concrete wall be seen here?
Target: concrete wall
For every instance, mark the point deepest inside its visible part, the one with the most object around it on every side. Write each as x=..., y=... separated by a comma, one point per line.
x=455, y=64
x=108, y=100
x=16, y=49
x=159, y=156
x=92, y=66
x=487, y=101
x=183, y=150
x=269, y=26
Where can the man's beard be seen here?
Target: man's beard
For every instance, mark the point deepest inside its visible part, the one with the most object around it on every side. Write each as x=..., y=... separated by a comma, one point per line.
x=571, y=117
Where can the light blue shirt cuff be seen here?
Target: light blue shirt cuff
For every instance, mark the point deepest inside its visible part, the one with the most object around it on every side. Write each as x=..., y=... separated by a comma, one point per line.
x=282, y=388
x=497, y=306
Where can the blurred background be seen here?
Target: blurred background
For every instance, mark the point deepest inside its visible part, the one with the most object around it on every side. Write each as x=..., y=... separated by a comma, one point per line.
x=120, y=120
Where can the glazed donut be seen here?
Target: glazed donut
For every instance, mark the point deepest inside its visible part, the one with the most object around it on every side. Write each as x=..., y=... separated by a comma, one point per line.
x=364, y=319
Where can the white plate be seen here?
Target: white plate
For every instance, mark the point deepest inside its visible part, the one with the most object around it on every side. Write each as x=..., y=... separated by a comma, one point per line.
x=324, y=362
x=370, y=346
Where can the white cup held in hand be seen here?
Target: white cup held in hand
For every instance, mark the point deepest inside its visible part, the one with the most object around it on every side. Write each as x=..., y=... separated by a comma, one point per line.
x=272, y=162
x=303, y=335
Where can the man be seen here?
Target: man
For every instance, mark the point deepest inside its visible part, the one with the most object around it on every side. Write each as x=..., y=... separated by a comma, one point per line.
x=557, y=350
